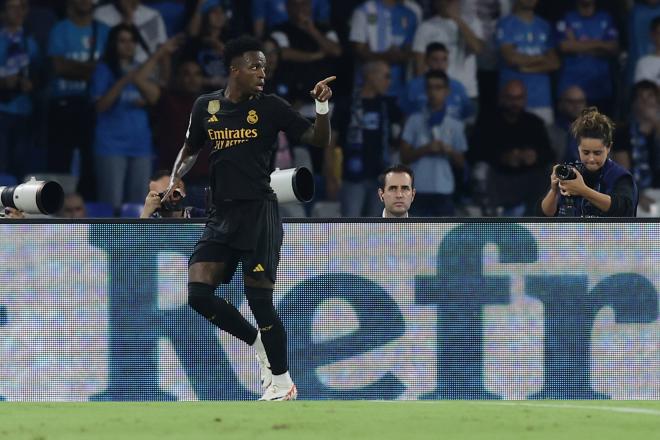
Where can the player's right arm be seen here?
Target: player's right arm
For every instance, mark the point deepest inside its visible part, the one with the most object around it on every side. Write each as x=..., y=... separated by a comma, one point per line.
x=191, y=146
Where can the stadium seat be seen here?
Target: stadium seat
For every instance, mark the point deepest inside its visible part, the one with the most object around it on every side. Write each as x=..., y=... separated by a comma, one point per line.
x=7, y=180
x=131, y=210
x=99, y=209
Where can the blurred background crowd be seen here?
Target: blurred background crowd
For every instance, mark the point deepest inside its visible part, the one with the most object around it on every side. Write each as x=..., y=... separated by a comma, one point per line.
x=476, y=96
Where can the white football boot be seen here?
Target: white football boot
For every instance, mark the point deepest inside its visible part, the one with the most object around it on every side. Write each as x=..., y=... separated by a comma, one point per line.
x=278, y=393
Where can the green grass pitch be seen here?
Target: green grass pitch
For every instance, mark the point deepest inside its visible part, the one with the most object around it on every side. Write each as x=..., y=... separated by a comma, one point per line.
x=400, y=420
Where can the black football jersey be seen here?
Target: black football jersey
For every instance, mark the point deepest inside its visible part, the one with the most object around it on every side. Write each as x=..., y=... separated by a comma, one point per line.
x=242, y=138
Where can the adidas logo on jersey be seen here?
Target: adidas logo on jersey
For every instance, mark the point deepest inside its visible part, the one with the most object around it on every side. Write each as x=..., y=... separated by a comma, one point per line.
x=213, y=118
x=258, y=268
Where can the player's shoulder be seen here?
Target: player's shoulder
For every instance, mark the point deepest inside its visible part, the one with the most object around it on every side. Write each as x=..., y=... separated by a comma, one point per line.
x=202, y=101
x=272, y=100
x=210, y=96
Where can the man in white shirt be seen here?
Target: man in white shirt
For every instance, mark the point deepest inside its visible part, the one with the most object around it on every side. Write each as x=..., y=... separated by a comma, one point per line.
x=648, y=67
x=463, y=39
x=396, y=189
x=148, y=21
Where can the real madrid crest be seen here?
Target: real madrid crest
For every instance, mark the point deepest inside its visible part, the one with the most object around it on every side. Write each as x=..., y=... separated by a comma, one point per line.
x=213, y=107
x=252, y=117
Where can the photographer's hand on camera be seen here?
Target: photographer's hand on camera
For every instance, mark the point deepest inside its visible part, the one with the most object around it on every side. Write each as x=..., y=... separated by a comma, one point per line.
x=13, y=213
x=151, y=204
x=573, y=187
x=554, y=180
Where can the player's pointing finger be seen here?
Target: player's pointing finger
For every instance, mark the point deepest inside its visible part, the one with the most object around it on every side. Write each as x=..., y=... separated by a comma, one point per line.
x=328, y=79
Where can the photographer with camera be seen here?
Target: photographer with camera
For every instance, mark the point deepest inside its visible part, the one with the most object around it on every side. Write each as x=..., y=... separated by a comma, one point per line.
x=596, y=186
x=172, y=206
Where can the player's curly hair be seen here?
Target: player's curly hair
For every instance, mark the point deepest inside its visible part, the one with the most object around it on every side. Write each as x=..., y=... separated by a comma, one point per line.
x=238, y=46
x=593, y=124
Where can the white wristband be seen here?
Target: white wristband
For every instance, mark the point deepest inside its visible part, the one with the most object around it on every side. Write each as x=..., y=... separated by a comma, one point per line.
x=322, y=107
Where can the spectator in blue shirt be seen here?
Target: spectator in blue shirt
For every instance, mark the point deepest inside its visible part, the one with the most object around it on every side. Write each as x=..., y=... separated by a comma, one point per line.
x=527, y=51
x=121, y=90
x=459, y=105
x=432, y=142
x=267, y=14
x=74, y=47
x=588, y=42
x=18, y=65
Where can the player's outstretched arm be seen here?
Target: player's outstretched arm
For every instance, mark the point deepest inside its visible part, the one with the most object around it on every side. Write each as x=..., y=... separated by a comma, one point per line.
x=319, y=134
x=183, y=163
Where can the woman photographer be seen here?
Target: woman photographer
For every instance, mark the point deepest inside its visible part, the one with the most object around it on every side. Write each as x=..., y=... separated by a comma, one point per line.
x=596, y=186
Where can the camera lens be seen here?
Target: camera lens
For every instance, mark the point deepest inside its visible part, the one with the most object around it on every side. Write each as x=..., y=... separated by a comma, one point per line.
x=33, y=197
x=565, y=172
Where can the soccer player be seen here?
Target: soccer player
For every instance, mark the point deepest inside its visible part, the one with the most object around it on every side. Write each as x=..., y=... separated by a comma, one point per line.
x=240, y=124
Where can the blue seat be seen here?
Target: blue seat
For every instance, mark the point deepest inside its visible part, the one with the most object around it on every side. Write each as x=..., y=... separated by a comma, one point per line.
x=7, y=180
x=131, y=210
x=99, y=209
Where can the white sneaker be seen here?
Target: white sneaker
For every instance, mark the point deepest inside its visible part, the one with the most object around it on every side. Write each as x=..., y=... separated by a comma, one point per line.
x=265, y=373
x=276, y=393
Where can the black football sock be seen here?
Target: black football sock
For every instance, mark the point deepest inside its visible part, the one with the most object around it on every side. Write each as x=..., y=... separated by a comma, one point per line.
x=223, y=315
x=273, y=334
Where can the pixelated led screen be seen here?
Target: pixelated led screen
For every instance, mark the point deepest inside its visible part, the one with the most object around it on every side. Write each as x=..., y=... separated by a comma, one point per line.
x=373, y=311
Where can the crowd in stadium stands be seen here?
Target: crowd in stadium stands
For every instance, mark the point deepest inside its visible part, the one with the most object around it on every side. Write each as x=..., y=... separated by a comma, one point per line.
x=476, y=96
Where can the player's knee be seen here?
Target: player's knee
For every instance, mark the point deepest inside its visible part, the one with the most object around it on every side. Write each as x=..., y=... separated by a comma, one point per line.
x=199, y=296
x=261, y=303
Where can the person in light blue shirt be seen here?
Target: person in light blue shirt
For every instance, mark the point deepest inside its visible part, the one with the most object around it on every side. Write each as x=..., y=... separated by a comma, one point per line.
x=267, y=14
x=432, y=143
x=121, y=89
x=527, y=52
x=459, y=106
x=383, y=30
x=74, y=47
x=19, y=64
x=588, y=41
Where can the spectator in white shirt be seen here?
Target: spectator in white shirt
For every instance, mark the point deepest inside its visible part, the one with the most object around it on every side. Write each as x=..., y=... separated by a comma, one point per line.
x=148, y=21
x=648, y=67
x=463, y=38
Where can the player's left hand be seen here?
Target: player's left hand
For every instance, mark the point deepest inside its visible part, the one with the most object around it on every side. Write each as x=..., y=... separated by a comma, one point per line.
x=322, y=92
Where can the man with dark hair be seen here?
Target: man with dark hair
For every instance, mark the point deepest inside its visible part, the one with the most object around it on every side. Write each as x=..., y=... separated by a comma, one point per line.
x=173, y=205
x=434, y=144
x=241, y=124
x=459, y=105
x=396, y=189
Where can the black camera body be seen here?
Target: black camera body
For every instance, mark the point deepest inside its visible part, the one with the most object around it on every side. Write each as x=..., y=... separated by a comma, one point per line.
x=172, y=203
x=566, y=171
